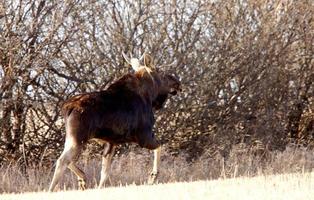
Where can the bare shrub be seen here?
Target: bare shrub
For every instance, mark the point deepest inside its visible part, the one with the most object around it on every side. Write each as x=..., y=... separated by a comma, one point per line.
x=246, y=67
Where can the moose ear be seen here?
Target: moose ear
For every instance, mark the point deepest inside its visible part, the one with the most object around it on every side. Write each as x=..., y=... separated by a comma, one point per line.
x=148, y=61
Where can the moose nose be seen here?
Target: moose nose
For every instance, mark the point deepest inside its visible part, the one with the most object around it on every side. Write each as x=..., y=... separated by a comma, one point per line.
x=174, y=92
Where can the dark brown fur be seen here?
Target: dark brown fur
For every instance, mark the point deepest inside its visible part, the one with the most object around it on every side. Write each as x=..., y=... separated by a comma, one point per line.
x=122, y=113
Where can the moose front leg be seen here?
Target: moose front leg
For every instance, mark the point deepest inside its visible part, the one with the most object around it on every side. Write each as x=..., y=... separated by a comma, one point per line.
x=153, y=175
x=106, y=164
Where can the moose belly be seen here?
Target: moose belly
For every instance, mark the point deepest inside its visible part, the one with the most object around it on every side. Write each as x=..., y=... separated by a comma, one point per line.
x=111, y=136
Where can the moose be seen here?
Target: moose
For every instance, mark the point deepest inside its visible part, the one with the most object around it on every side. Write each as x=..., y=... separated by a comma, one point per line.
x=123, y=113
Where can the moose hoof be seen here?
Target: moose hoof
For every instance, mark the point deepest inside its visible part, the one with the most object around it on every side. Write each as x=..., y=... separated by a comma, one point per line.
x=82, y=184
x=152, y=178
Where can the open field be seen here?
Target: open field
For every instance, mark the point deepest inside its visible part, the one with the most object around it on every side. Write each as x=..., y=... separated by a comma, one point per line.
x=287, y=186
x=133, y=168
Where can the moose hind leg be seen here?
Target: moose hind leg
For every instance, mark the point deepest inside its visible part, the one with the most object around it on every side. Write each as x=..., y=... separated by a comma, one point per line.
x=69, y=153
x=154, y=174
x=106, y=164
x=80, y=175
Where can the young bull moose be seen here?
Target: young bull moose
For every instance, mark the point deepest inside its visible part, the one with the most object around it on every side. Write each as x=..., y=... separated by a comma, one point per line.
x=120, y=114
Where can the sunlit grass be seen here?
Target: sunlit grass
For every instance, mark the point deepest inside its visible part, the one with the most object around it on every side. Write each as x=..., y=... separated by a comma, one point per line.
x=243, y=174
x=286, y=186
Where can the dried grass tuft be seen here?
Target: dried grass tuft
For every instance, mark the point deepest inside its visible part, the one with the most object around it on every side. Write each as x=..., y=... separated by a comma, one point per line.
x=133, y=168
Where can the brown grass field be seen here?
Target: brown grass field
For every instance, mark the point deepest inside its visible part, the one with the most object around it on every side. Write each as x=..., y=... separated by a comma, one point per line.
x=244, y=175
x=287, y=186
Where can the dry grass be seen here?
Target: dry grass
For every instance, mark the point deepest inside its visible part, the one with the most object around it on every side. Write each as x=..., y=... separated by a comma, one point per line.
x=134, y=168
x=289, y=186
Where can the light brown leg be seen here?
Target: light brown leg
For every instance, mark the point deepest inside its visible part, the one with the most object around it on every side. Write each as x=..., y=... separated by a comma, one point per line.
x=106, y=164
x=80, y=175
x=153, y=175
x=69, y=153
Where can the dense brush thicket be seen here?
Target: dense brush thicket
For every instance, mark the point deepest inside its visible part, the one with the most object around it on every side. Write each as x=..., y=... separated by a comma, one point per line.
x=246, y=68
